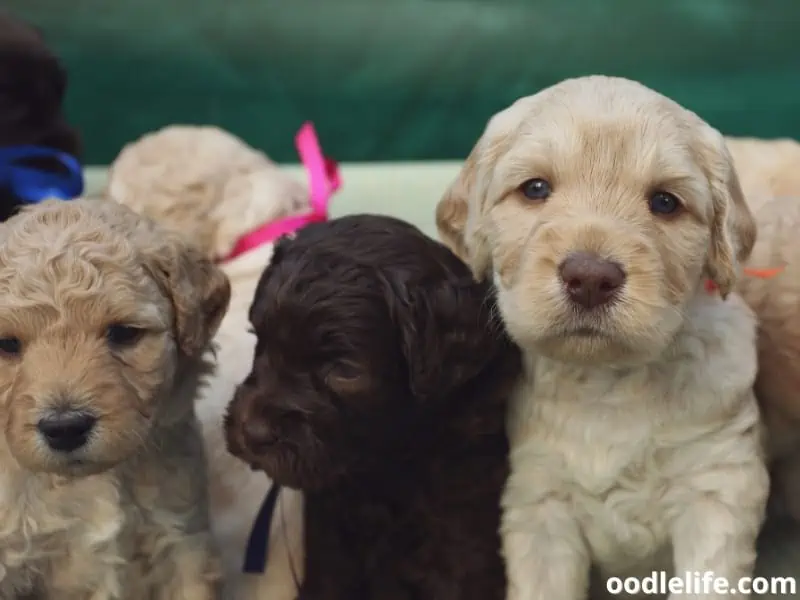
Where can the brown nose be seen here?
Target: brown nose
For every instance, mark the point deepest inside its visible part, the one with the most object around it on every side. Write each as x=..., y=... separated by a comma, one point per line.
x=258, y=434
x=591, y=281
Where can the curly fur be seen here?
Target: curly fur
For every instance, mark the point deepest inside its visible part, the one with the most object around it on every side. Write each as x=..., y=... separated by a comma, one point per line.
x=639, y=445
x=379, y=388
x=32, y=87
x=213, y=188
x=123, y=517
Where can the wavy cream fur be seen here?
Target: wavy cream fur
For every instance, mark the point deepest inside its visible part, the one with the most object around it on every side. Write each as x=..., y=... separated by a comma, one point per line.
x=660, y=463
x=636, y=445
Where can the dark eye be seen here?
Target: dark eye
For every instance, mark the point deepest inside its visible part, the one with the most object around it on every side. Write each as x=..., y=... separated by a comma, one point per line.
x=536, y=189
x=663, y=203
x=123, y=335
x=10, y=346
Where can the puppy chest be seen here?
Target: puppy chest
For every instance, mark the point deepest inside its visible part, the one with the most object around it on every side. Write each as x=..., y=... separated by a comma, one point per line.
x=583, y=432
x=599, y=452
x=57, y=534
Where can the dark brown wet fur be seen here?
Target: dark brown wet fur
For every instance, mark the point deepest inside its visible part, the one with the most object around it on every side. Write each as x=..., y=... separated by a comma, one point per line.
x=32, y=87
x=379, y=387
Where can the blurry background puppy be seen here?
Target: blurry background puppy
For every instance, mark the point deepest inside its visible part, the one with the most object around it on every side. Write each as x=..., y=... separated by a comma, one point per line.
x=770, y=176
x=32, y=88
x=105, y=325
x=776, y=301
x=601, y=209
x=215, y=189
x=766, y=168
x=379, y=387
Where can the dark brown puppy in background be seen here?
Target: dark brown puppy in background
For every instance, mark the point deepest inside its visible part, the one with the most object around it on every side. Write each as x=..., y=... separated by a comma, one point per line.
x=379, y=387
x=32, y=87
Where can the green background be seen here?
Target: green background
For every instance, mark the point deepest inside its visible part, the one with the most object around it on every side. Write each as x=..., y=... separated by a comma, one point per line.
x=405, y=79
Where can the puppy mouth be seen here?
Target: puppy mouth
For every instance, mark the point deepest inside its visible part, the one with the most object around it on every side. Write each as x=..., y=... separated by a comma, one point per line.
x=583, y=328
x=586, y=331
x=282, y=459
x=75, y=467
x=250, y=439
x=80, y=467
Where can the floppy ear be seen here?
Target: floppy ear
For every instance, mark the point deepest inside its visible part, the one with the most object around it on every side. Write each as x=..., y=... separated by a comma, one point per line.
x=452, y=209
x=199, y=290
x=459, y=212
x=447, y=333
x=733, y=228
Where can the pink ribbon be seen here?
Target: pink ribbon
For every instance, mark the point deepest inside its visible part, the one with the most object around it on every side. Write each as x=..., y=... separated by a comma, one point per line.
x=323, y=182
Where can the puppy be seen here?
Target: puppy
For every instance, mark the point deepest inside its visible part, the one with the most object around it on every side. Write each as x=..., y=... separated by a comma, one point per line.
x=766, y=168
x=104, y=327
x=215, y=189
x=600, y=209
x=775, y=301
x=32, y=87
x=379, y=388
x=205, y=181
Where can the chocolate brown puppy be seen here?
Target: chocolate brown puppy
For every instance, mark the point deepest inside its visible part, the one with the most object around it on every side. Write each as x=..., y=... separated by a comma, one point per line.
x=379, y=387
x=32, y=87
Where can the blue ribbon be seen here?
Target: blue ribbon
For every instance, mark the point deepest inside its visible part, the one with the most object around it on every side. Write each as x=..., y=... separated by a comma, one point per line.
x=32, y=184
x=255, y=556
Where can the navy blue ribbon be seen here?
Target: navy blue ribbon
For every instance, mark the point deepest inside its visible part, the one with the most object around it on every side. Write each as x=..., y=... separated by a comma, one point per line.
x=33, y=184
x=255, y=557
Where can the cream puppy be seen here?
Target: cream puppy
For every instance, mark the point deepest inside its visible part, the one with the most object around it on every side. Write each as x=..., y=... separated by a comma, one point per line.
x=766, y=168
x=601, y=209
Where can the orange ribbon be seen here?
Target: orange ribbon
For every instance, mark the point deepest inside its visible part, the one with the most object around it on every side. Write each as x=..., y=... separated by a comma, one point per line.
x=760, y=273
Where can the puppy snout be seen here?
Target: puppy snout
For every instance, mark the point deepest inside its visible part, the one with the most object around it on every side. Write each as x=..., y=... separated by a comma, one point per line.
x=590, y=280
x=258, y=433
x=66, y=430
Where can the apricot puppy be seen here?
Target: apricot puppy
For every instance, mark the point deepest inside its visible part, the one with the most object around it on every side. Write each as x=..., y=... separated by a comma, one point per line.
x=105, y=320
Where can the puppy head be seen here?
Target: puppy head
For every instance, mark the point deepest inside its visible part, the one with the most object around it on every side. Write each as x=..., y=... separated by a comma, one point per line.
x=32, y=81
x=32, y=87
x=364, y=326
x=598, y=207
x=205, y=182
x=102, y=316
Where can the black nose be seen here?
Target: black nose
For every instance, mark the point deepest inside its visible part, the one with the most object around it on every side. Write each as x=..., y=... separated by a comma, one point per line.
x=590, y=280
x=66, y=431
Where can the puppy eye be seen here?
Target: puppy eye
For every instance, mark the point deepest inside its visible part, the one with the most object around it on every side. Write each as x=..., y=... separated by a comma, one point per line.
x=664, y=203
x=10, y=346
x=123, y=335
x=536, y=189
x=347, y=378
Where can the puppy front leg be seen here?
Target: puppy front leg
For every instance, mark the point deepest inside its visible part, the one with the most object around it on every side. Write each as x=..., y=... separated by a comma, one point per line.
x=545, y=553
x=195, y=572
x=716, y=532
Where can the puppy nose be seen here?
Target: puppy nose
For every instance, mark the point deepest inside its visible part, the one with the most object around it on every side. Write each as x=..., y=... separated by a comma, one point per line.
x=591, y=281
x=66, y=431
x=258, y=433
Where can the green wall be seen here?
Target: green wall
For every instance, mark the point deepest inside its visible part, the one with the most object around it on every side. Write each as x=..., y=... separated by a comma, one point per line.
x=405, y=79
